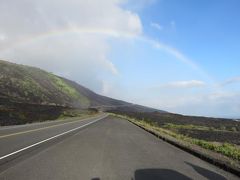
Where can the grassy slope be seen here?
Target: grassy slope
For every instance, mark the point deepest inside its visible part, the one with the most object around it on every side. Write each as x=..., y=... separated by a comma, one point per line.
x=32, y=85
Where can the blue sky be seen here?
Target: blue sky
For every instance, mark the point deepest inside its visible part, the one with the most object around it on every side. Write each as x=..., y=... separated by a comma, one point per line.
x=206, y=32
x=179, y=56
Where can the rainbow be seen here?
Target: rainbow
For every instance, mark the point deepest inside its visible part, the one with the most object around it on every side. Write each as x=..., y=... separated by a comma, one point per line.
x=108, y=33
x=54, y=33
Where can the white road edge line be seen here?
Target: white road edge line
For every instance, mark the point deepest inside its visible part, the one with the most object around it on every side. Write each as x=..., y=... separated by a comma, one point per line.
x=48, y=139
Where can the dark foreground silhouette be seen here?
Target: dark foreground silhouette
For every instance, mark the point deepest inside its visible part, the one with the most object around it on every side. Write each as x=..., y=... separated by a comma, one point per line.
x=206, y=173
x=153, y=174
x=164, y=174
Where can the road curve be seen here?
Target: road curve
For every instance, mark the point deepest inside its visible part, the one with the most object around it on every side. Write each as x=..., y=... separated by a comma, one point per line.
x=111, y=148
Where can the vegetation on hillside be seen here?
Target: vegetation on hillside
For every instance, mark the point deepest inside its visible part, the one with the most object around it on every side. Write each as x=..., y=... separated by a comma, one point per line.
x=62, y=86
x=32, y=85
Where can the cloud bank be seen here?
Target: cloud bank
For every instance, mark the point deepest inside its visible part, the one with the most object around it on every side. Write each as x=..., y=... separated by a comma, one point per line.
x=185, y=84
x=156, y=25
x=66, y=37
x=233, y=80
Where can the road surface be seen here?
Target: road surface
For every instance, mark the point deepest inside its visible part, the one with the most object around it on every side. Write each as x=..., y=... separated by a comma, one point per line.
x=96, y=149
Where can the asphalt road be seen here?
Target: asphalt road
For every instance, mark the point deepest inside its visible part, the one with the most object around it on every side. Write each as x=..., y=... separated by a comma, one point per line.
x=109, y=148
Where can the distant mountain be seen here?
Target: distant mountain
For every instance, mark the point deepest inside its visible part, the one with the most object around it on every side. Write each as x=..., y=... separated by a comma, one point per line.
x=25, y=85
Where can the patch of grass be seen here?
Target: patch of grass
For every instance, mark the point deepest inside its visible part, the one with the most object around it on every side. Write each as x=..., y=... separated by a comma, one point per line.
x=229, y=150
x=28, y=86
x=189, y=126
x=71, y=113
x=62, y=86
x=196, y=127
x=17, y=82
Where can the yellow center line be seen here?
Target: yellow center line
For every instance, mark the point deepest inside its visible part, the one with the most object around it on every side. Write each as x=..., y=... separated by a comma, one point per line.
x=48, y=127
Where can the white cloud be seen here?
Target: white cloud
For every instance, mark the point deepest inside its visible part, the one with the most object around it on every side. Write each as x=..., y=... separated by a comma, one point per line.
x=67, y=37
x=106, y=88
x=231, y=81
x=156, y=26
x=29, y=18
x=2, y=37
x=185, y=84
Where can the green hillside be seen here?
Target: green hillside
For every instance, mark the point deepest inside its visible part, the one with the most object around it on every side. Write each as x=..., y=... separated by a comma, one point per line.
x=32, y=85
